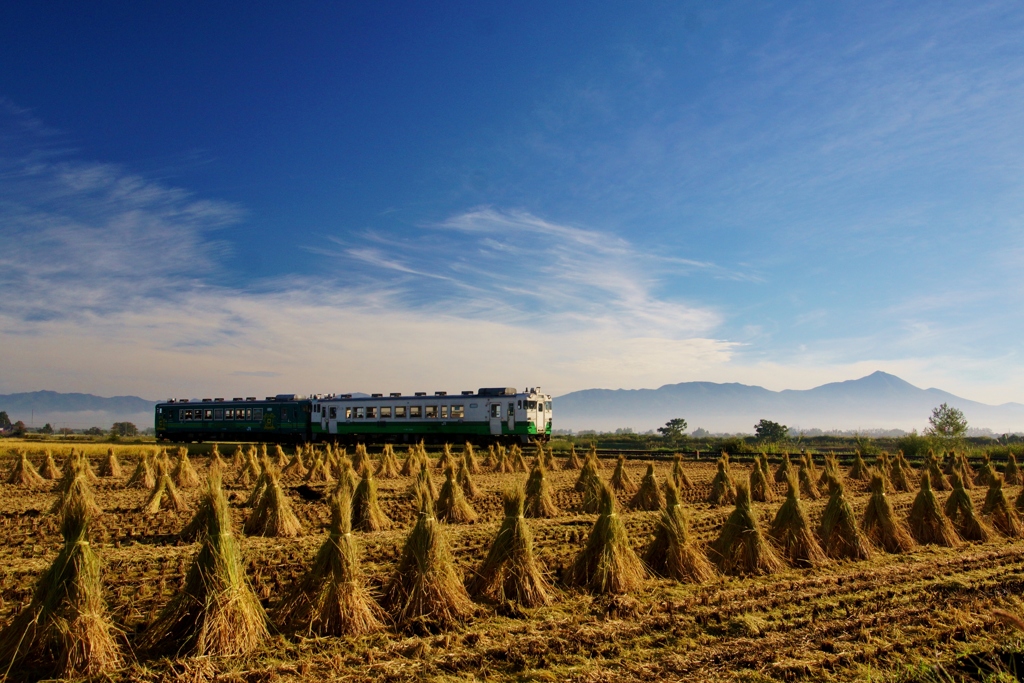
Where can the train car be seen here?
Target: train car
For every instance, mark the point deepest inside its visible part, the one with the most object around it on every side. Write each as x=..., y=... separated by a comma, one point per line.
x=284, y=418
x=489, y=414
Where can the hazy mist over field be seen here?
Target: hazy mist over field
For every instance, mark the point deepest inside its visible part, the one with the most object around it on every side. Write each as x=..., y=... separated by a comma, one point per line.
x=593, y=196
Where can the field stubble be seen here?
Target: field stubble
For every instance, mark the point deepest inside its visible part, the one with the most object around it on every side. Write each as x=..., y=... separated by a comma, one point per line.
x=870, y=619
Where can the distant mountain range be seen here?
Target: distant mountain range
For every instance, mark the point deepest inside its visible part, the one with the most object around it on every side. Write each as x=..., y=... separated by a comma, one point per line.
x=878, y=401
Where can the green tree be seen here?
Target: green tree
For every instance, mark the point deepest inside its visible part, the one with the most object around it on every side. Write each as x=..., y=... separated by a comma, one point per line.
x=674, y=429
x=766, y=430
x=5, y=421
x=947, y=424
x=124, y=429
x=46, y=429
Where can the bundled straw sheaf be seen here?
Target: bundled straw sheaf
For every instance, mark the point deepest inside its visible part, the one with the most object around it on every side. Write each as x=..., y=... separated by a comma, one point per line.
x=841, y=538
x=1011, y=473
x=807, y=478
x=184, y=474
x=900, y=473
x=741, y=548
x=997, y=507
x=64, y=630
x=960, y=511
x=607, y=564
x=649, y=495
x=784, y=470
x=452, y=506
x=110, y=467
x=24, y=472
x=723, y=491
x=621, y=481
x=143, y=477
x=573, y=461
x=679, y=477
x=216, y=612
x=49, y=470
x=589, y=483
x=538, y=494
x=387, y=467
x=366, y=512
x=859, y=471
x=672, y=552
x=425, y=592
x=928, y=525
x=272, y=515
x=760, y=483
x=880, y=524
x=164, y=494
x=510, y=571
x=791, y=530
x=332, y=598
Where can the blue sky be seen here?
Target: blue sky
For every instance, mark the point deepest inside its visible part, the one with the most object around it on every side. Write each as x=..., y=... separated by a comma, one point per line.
x=203, y=199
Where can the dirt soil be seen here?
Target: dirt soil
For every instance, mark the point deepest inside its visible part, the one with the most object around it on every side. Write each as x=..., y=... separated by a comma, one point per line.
x=926, y=615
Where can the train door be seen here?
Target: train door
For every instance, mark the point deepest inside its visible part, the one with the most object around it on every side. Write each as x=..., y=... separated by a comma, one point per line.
x=494, y=410
x=512, y=417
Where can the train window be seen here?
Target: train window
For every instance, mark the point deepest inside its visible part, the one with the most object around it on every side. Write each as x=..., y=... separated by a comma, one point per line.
x=316, y=408
x=360, y=413
x=458, y=411
x=511, y=409
x=284, y=414
x=257, y=414
x=495, y=410
x=519, y=404
x=385, y=412
x=334, y=412
x=431, y=412
x=415, y=411
x=248, y=413
x=348, y=413
x=218, y=414
x=188, y=414
x=547, y=405
x=229, y=413
x=532, y=405
x=399, y=411
x=444, y=412
x=181, y=415
x=208, y=415
x=371, y=412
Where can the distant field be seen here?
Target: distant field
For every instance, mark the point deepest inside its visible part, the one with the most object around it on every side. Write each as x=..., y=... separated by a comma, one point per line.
x=924, y=615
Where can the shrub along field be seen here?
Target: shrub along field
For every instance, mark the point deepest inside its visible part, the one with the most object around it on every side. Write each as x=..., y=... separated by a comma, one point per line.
x=448, y=565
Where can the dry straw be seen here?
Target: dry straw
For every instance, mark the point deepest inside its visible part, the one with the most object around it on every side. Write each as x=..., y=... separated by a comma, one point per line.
x=425, y=592
x=723, y=491
x=741, y=548
x=24, y=472
x=164, y=494
x=649, y=495
x=840, y=536
x=1011, y=473
x=548, y=454
x=672, y=552
x=607, y=564
x=469, y=462
x=998, y=508
x=452, y=506
x=65, y=628
x=935, y=476
x=510, y=572
x=72, y=491
x=879, y=523
x=928, y=525
x=831, y=469
x=785, y=468
x=678, y=476
x=859, y=471
x=503, y=464
x=49, y=470
x=216, y=612
x=184, y=474
x=272, y=516
x=538, y=494
x=518, y=461
x=319, y=472
x=900, y=474
x=447, y=459
x=960, y=510
x=985, y=473
x=573, y=461
x=411, y=464
x=589, y=484
x=366, y=512
x=142, y=477
x=238, y=457
x=360, y=459
x=465, y=480
x=110, y=467
x=388, y=467
x=760, y=483
x=332, y=598
x=806, y=477
x=491, y=460
x=425, y=481
x=345, y=474
x=791, y=530
x=621, y=481
x=296, y=467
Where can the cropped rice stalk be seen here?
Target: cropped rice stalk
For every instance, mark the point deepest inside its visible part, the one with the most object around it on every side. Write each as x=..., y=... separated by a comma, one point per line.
x=491, y=461
x=899, y=474
x=831, y=470
x=366, y=512
x=807, y=481
x=741, y=548
x=589, y=484
x=573, y=461
x=272, y=516
x=251, y=469
x=516, y=457
x=678, y=476
x=935, y=475
x=607, y=564
x=447, y=459
x=332, y=598
x=164, y=494
x=469, y=462
x=648, y=496
x=258, y=489
x=960, y=510
x=998, y=508
x=425, y=592
x=143, y=477
x=760, y=484
x=24, y=472
x=296, y=467
x=883, y=466
x=73, y=491
x=319, y=472
x=465, y=480
x=791, y=530
x=452, y=506
x=673, y=553
x=510, y=572
x=345, y=474
x=880, y=524
x=184, y=474
x=411, y=464
x=928, y=525
x=65, y=629
x=216, y=612
x=985, y=473
x=216, y=461
x=538, y=494
x=388, y=467
x=110, y=466
x=1011, y=473
x=551, y=463
x=620, y=480
x=784, y=469
x=200, y=521
x=859, y=471
x=841, y=538
x=49, y=470
x=722, y=490
x=424, y=481
x=238, y=457
x=360, y=460
x=807, y=460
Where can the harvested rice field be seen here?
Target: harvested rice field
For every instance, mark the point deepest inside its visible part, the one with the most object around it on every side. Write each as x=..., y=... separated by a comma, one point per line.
x=930, y=613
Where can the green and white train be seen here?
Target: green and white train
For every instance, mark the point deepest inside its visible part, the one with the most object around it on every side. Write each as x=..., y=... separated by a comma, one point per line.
x=486, y=415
